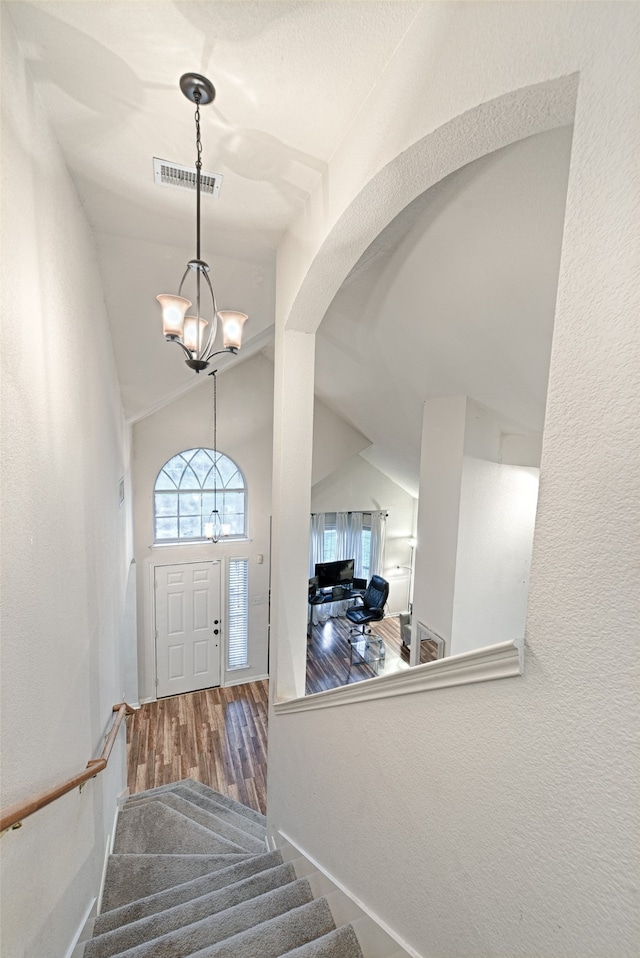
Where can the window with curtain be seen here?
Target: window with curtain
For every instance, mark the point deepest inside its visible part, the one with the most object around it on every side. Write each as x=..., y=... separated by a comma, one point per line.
x=184, y=495
x=346, y=535
x=366, y=553
x=330, y=544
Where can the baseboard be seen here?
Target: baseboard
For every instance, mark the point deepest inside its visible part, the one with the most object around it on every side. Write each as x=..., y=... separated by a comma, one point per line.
x=377, y=939
x=244, y=681
x=120, y=800
x=83, y=923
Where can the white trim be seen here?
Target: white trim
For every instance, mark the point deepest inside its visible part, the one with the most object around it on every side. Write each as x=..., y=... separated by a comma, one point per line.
x=78, y=934
x=245, y=680
x=120, y=800
x=178, y=543
x=271, y=843
x=500, y=661
x=345, y=891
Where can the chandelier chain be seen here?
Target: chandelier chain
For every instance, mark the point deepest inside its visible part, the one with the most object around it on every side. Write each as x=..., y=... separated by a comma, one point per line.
x=215, y=439
x=198, y=139
x=198, y=172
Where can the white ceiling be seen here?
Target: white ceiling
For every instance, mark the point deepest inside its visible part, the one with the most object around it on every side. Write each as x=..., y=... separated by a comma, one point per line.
x=289, y=77
x=456, y=296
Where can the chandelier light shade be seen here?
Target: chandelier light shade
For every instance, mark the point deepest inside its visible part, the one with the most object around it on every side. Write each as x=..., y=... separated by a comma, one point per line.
x=194, y=333
x=232, y=324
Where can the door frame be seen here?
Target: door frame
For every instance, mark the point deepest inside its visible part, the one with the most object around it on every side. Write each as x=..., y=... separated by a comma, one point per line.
x=151, y=637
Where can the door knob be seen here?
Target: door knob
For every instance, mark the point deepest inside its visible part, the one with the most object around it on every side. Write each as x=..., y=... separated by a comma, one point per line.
x=215, y=631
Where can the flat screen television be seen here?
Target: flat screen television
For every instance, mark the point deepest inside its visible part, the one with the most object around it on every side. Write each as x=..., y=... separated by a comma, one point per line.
x=334, y=573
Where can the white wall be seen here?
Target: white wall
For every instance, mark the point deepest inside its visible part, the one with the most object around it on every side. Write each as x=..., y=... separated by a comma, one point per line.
x=475, y=528
x=65, y=537
x=357, y=486
x=245, y=434
x=442, y=453
x=495, y=542
x=334, y=441
x=532, y=781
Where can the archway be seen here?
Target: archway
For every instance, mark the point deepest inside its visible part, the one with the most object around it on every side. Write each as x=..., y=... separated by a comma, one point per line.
x=473, y=134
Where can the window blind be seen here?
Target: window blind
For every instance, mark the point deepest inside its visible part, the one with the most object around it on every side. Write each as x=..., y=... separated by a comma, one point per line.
x=238, y=633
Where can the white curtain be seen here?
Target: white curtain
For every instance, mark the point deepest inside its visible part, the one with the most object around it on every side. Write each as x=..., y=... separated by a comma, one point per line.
x=354, y=542
x=319, y=613
x=316, y=542
x=378, y=530
x=342, y=535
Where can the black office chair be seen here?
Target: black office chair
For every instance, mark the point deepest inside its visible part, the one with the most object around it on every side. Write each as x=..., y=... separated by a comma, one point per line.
x=370, y=608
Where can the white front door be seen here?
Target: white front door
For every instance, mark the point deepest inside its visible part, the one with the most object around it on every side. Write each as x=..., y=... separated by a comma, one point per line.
x=188, y=627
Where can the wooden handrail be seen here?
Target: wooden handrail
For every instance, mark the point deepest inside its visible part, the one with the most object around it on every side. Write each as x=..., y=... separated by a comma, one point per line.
x=13, y=815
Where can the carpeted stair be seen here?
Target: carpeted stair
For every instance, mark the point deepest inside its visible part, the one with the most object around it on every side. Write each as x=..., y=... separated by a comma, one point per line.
x=190, y=876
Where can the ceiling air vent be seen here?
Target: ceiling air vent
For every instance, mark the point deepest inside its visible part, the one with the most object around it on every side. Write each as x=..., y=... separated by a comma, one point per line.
x=184, y=177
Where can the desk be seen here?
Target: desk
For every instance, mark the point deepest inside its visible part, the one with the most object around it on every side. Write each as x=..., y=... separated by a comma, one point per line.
x=325, y=597
x=338, y=594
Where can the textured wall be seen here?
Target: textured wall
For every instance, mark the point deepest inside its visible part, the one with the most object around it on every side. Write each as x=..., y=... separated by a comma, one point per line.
x=64, y=534
x=498, y=819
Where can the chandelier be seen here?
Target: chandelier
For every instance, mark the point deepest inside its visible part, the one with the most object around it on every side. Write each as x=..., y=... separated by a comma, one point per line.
x=190, y=331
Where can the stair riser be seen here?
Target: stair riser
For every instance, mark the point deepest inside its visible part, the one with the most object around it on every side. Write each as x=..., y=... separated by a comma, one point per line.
x=186, y=891
x=228, y=924
x=171, y=919
x=243, y=903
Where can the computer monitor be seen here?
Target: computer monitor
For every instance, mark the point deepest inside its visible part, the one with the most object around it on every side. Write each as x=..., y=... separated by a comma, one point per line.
x=330, y=574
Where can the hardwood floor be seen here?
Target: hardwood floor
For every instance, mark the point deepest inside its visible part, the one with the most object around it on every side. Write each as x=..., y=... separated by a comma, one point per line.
x=328, y=653
x=217, y=736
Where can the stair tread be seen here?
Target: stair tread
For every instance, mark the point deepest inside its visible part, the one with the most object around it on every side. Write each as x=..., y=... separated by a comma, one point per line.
x=195, y=909
x=275, y=937
x=234, y=815
x=206, y=792
x=190, y=876
x=137, y=908
x=155, y=827
x=341, y=943
x=212, y=929
x=214, y=823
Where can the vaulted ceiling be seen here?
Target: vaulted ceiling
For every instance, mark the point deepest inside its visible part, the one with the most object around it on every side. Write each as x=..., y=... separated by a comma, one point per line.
x=457, y=295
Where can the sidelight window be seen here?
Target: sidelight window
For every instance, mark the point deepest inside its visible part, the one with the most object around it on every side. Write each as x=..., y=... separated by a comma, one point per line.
x=238, y=642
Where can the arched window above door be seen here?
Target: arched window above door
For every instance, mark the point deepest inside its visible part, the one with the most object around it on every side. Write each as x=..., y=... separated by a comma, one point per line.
x=189, y=486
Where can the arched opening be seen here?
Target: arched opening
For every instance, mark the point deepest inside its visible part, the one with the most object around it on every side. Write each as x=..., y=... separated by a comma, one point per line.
x=473, y=135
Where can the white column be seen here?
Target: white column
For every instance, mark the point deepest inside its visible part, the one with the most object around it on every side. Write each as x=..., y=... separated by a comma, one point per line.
x=443, y=435
x=292, y=453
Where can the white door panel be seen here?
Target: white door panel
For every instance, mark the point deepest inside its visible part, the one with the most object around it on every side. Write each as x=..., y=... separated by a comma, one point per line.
x=188, y=627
